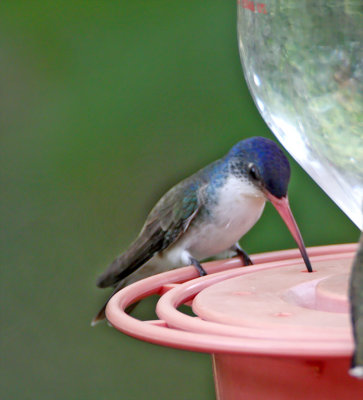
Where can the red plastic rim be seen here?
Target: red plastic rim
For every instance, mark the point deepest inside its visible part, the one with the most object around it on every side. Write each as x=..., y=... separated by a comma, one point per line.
x=303, y=314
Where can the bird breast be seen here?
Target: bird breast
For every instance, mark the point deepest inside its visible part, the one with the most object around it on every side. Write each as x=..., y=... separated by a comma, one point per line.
x=237, y=208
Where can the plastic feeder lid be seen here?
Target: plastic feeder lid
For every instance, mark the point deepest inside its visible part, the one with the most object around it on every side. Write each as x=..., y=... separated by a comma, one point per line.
x=274, y=307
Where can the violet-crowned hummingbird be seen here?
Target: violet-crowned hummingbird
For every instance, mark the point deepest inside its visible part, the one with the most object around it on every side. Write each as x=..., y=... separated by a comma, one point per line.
x=206, y=214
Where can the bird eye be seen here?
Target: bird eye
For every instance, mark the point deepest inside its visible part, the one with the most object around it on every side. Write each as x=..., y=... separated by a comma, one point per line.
x=253, y=171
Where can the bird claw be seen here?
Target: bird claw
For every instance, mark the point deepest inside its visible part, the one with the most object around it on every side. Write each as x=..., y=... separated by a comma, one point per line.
x=246, y=260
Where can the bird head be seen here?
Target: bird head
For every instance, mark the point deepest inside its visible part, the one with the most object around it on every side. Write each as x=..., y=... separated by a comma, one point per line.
x=263, y=164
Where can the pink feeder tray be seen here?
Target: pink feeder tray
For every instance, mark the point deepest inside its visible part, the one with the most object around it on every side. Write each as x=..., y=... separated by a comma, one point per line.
x=274, y=330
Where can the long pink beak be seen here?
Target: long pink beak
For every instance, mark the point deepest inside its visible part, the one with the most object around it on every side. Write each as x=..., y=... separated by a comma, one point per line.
x=283, y=208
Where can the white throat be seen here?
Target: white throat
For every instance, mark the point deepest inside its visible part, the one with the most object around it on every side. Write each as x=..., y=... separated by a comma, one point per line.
x=239, y=206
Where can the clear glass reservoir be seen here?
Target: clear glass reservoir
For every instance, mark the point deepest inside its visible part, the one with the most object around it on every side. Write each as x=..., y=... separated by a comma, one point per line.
x=303, y=62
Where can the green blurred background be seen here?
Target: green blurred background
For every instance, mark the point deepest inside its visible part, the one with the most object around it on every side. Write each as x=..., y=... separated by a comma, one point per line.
x=104, y=105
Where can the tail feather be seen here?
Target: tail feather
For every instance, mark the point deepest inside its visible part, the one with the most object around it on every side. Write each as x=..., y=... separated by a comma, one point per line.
x=121, y=267
x=107, y=278
x=140, y=251
x=100, y=316
x=148, y=243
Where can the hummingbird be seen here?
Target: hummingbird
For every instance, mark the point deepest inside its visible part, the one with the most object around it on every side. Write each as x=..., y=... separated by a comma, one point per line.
x=207, y=214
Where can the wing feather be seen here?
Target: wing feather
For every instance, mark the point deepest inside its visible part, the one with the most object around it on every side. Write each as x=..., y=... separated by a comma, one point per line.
x=167, y=221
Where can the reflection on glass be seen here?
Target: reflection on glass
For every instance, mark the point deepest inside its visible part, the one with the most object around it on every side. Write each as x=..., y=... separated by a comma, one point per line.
x=303, y=61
